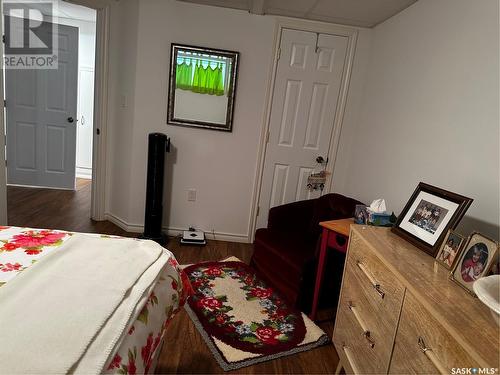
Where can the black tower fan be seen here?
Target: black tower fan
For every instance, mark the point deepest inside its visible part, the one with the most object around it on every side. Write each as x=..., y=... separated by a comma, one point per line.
x=159, y=144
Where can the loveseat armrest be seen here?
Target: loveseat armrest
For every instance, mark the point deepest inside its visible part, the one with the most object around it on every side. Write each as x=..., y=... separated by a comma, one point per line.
x=295, y=216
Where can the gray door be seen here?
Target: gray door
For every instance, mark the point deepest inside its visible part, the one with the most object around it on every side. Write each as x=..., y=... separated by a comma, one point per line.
x=41, y=119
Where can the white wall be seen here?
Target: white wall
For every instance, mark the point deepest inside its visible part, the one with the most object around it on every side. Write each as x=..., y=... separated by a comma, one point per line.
x=355, y=97
x=220, y=166
x=430, y=110
x=122, y=68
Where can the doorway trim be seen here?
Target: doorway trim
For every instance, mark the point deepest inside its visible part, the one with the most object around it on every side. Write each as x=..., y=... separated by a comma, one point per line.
x=99, y=154
x=316, y=27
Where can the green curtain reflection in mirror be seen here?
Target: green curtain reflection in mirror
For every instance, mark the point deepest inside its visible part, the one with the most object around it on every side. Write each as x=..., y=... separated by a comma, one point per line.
x=200, y=76
x=183, y=78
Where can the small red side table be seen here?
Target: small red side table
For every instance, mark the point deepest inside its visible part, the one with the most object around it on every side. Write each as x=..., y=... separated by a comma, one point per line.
x=335, y=235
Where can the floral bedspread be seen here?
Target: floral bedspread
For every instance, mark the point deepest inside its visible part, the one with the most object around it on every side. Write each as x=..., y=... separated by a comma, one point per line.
x=140, y=345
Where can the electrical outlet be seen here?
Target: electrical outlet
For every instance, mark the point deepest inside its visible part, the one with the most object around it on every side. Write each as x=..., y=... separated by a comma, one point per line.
x=191, y=195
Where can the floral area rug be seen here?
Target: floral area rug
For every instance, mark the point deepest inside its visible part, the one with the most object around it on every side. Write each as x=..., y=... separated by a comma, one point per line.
x=242, y=320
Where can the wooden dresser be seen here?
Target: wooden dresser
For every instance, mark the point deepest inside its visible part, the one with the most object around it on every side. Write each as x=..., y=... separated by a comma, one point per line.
x=400, y=314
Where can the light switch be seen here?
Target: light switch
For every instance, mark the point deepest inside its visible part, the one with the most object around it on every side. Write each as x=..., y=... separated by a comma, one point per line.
x=124, y=100
x=191, y=195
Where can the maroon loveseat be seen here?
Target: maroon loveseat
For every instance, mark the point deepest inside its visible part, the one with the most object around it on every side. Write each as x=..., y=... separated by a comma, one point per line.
x=285, y=253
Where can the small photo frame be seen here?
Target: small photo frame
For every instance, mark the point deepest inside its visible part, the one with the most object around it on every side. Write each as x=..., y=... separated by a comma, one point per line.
x=476, y=260
x=428, y=215
x=360, y=214
x=495, y=266
x=450, y=249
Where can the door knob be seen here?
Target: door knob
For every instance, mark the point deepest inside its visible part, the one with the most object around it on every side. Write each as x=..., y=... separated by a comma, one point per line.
x=70, y=120
x=320, y=160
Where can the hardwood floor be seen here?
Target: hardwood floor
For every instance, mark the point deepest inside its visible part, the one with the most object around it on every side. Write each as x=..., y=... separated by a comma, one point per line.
x=184, y=350
x=56, y=209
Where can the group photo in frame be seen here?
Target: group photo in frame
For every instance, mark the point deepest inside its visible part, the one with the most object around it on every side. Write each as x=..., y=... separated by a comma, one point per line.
x=479, y=255
x=428, y=215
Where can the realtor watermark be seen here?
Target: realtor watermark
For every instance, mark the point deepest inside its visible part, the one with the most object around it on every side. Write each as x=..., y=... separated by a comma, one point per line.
x=474, y=371
x=31, y=35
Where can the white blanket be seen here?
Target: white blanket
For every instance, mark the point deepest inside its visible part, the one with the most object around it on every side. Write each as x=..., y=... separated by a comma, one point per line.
x=67, y=312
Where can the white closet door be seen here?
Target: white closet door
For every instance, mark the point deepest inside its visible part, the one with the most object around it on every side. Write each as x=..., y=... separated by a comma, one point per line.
x=85, y=122
x=304, y=104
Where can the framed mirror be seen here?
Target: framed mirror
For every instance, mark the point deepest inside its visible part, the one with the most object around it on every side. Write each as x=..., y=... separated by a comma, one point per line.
x=202, y=87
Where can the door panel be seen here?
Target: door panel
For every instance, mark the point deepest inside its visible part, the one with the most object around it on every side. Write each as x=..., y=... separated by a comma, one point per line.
x=55, y=88
x=316, y=116
x=41, y=142
x=302, y=193
x=26, y=146
x=26, y=88
x=279, y=184
x=290, y=113
x=302, y=116
x=55, y=147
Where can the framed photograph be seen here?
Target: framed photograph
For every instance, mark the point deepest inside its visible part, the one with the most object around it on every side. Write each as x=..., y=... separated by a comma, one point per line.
x=495, y=266
x=428, y=215
x=450, y=249
x=360, y=214
x=476, y=260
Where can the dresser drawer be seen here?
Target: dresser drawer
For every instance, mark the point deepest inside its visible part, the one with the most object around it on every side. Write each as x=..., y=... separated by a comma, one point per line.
x=419, y=331
x=357, y=302
x=357, y=340
x=383, y=291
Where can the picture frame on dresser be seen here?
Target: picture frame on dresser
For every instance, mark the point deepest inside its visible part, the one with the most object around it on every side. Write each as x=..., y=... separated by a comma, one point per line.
x=495, y=266
x=449, y=251
x=476, y=260
x=428, y=215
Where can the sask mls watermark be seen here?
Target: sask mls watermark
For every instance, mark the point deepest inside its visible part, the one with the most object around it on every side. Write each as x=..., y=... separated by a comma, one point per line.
x=474, y=371
x=31, y=37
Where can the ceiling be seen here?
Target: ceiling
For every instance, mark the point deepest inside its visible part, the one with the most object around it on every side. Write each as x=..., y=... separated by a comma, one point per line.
x=365, y=13
x=66, y=10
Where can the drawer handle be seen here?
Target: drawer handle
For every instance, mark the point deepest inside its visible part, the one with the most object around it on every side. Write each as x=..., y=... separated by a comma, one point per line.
x=374, y=283
x=432, y=357
x=366, y=331
x=347, y=352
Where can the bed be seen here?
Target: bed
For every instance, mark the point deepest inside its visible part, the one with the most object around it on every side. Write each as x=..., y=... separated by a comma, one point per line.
x=90, y=329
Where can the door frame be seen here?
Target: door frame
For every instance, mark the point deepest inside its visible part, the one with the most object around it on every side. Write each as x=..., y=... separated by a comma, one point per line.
x=99, y=154
x=316, y=27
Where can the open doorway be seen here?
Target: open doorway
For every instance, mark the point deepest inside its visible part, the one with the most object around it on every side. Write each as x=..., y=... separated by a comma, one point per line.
x=49, y=118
